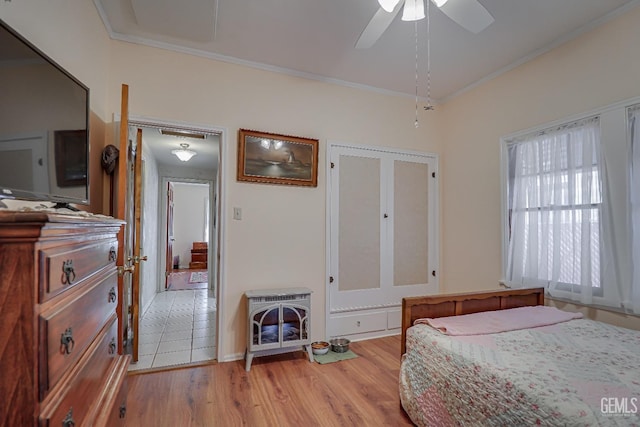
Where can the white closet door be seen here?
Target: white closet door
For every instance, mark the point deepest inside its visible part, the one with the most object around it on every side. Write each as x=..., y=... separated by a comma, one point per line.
x=381, y=227
x=410, y=261
x=357, y=233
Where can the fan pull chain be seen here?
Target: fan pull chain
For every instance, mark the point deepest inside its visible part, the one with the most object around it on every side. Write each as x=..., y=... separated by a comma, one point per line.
x=415, y=30
x=428, y=107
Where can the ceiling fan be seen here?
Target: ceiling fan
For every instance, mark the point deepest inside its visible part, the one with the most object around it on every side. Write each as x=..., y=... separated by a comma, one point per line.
x=469, y=14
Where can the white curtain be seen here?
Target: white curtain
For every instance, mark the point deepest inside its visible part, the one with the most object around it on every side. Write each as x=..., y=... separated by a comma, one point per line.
x=555, y=202
x=634, y=132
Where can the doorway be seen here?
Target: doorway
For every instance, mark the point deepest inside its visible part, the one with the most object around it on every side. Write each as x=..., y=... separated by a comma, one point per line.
x=188, y=219
x=178, y=324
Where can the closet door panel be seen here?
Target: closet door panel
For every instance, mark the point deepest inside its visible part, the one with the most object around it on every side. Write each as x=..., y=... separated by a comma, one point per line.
x=410, y=223
x=359, y=224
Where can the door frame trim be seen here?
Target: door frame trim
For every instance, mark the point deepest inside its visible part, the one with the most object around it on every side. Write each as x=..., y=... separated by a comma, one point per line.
x=221, y=201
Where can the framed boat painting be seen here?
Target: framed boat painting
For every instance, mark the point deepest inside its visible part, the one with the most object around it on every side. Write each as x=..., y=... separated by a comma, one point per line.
x=277, y=159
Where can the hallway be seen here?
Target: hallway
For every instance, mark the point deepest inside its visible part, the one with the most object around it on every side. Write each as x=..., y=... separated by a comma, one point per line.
x=179, y=327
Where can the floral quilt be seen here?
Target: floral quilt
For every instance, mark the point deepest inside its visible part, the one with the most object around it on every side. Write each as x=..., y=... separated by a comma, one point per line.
x=575, y=373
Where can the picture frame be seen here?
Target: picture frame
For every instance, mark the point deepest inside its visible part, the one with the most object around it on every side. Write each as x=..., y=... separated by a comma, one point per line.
x=71, y=157
x=271, y=158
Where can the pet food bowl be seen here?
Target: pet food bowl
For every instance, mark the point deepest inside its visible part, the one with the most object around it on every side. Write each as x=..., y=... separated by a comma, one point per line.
x=320, y=347
x=339, y=345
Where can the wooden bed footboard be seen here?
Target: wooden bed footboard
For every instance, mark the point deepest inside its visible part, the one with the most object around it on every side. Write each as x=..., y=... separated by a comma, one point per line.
x=465, y=303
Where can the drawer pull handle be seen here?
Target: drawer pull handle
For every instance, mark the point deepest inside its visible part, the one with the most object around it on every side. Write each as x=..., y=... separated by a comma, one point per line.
x=68, y=273
x=123, y=410
x=112, y=253
x=66, y=342
x=112, y=346
x=112, y=295
x=68, y=420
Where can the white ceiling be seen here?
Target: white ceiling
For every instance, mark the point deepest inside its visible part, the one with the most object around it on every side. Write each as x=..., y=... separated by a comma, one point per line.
x=316, y=38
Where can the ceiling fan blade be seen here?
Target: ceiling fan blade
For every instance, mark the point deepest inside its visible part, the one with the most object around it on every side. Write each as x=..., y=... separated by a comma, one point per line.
x=376, y=27
x=469, y=14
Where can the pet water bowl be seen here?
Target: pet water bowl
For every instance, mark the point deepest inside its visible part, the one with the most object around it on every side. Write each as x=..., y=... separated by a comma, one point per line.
x=339, y=345
x=320, y=347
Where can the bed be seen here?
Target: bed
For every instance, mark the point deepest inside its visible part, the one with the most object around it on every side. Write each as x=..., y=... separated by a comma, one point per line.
x=573, y=372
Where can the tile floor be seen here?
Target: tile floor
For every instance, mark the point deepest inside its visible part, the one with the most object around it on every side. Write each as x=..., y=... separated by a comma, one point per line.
x=179, y=327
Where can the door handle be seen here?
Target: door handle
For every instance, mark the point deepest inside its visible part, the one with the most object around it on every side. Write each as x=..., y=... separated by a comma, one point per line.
x=136, y=259
x=126, y=269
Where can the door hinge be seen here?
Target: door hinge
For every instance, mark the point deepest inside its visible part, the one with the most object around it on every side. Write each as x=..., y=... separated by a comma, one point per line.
x=433, y=273
x=333, y=165
x=433, y=174
x=330, y=279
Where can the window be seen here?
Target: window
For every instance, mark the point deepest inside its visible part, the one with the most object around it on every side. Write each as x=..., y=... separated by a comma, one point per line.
x=554, y=202
x=571, y=208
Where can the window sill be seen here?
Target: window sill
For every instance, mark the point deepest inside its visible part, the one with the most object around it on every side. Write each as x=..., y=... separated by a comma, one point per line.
x=615, y=310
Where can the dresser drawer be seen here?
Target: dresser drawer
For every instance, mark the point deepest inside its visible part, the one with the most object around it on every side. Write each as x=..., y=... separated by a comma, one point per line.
x=62, y=267
x=76, y=399
x=112, y=409
x=67, y=329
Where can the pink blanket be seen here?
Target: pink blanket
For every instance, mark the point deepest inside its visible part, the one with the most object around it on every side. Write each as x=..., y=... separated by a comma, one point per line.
x=489, y=322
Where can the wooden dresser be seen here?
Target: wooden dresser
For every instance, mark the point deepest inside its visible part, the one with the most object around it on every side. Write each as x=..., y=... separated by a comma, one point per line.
x=59, y=361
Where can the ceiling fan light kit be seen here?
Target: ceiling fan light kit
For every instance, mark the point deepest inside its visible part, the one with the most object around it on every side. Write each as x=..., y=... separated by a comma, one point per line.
x=388, y=5
x=469, y=14
x=440, y=3
x=413, y=10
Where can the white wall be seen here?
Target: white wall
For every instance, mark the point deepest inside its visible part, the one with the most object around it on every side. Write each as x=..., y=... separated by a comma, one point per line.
x=190, y=207
x=595, y=70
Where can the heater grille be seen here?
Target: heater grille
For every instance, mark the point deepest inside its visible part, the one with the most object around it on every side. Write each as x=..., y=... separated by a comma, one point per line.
x=281, y=298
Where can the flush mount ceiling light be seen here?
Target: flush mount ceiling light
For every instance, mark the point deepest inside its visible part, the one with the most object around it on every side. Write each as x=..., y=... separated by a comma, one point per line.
x=184, y=154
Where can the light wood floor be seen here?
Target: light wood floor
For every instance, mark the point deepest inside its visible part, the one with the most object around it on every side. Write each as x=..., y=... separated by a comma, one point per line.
x=283, y=390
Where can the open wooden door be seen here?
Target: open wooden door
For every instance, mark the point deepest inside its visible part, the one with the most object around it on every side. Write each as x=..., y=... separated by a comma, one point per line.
x=137, y=255
x=170, y=238
x=128, y=209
